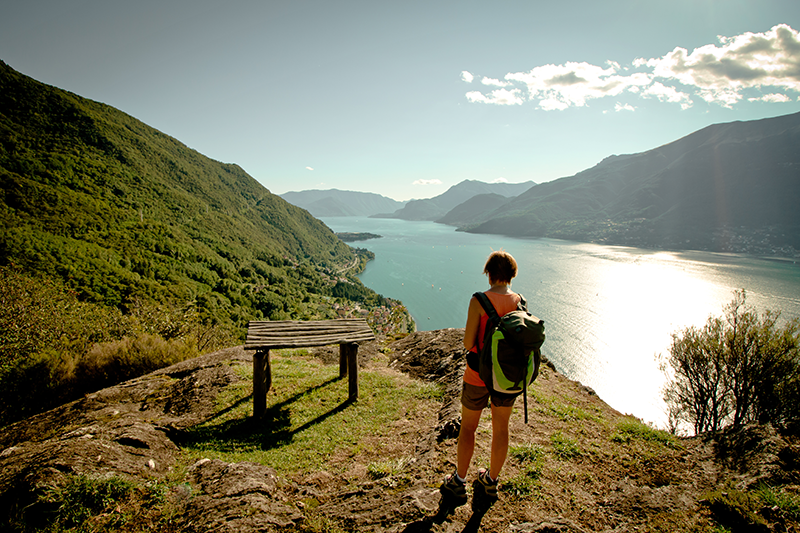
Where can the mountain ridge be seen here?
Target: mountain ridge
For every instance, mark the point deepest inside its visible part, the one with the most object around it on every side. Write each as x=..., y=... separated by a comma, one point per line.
x=438, y=206
x=338, y=203
x=727, y=187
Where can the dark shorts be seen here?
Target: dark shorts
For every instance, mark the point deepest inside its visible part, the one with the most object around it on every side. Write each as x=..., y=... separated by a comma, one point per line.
x=477, y=398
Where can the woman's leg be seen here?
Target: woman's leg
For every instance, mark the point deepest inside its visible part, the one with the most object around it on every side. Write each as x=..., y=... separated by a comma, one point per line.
x=500, y=418
x=466, y=439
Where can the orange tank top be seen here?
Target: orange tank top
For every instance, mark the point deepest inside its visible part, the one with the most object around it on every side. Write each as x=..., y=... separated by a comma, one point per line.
x=503, y=303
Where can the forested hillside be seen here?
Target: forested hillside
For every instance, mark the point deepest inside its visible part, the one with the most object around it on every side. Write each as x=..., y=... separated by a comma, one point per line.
x=119, y=210
x=113, y=232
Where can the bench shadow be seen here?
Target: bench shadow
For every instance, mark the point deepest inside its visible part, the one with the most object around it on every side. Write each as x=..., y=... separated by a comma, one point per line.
x=268, y=432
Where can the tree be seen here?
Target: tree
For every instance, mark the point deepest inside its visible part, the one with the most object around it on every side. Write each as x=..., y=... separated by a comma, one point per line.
x=737, y=369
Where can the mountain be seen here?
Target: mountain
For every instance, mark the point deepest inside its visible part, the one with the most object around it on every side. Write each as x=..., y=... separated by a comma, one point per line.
x=727, y=187
x=336, y=203
x=438, y=206
x=120, y=212
x=473, y=209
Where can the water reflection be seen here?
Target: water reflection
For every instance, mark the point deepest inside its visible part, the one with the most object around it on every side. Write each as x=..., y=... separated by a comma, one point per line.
x=609, y=310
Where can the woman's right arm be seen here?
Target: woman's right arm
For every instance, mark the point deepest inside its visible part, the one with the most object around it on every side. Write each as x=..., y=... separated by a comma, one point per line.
x=473, y=322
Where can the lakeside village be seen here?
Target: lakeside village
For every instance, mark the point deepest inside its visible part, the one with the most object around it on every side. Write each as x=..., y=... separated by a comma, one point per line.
x=393, y=320
x=390, y=319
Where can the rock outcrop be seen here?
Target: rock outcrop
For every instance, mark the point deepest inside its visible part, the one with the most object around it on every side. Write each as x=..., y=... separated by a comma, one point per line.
x=588, y=475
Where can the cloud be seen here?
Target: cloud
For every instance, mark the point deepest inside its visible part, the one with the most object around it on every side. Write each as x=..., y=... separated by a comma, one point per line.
x=309, y=168
x=498, y=96
x=500, y=180
x=427, y=182
x=667, y=94
x=624, y=107
x=721, y=74
x=466, y=76
x=771, y=98
x=496, y=83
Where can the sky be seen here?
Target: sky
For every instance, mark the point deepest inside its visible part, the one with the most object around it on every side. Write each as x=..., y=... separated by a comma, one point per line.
x=408, y=98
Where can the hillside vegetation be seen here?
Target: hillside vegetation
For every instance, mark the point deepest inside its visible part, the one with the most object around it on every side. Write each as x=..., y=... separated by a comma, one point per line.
x=125, y=223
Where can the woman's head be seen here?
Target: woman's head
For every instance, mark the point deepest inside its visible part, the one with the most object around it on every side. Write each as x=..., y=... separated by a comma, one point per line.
x=500, y=267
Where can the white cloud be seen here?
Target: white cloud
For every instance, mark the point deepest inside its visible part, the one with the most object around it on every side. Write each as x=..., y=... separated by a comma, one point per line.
x=624, y=107
x=667, y=94
x=309, y=168
x=496, y=83
x=466, y=76
x=772, y=98
x=500, y=180
x=718, y=74
x=498, y=96
x=558, y=87
x=751, y=60
x=427, y=182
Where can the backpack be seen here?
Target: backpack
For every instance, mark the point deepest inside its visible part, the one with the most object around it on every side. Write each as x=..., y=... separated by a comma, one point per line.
x=509, y=359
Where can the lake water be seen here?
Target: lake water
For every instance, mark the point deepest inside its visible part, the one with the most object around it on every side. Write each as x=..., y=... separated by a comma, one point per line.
x=609, y=311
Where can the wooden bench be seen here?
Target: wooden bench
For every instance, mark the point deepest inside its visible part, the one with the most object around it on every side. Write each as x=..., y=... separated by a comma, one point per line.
x=266, y=335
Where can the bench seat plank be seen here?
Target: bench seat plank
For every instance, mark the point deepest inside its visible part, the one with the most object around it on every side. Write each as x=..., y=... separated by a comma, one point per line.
x=266, y=335
x=263, y=334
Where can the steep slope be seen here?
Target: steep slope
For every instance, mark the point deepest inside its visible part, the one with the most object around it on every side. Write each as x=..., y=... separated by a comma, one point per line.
x=726, y=187
x=336, y=203
x=183, y=439
x=121, y=211
x=438, y=206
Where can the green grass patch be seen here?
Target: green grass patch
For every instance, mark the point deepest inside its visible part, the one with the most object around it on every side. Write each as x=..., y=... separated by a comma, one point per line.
x=562, y=408
x=789, y=504
x=308, y=418
x=633, y=429
x=526, y=482
x=385, y=468
x=564, y=447
x=752, y=510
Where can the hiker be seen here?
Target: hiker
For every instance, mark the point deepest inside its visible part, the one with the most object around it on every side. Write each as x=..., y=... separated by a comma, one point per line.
x=500, y=268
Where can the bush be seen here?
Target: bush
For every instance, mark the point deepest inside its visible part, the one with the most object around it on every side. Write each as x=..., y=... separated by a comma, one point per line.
x=114, y=362
x=737, y=369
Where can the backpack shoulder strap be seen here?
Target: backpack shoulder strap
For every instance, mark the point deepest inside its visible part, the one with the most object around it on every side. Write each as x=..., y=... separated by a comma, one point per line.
x=494, y=318
x=523, y=303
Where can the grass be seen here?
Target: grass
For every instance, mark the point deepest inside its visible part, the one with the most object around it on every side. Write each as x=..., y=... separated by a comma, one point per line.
x=633, y=429
x=562, y=408
x=309, y=417
x=752, y=510
x=564, y=447
x=385, y=468
x=531, y=466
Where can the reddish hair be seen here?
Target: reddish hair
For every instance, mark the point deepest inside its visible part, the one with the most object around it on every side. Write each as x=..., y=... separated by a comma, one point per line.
x=501, y=267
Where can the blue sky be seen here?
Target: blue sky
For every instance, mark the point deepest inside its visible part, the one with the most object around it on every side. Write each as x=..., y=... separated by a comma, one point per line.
x=408, y=98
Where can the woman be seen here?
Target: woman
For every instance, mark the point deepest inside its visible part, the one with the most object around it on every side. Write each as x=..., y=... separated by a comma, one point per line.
x=500, y=268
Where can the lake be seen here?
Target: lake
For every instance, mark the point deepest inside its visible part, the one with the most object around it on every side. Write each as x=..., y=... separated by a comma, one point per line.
x=609, y=311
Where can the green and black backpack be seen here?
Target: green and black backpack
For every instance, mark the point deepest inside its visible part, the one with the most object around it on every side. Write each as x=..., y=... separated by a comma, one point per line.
x=509, y=359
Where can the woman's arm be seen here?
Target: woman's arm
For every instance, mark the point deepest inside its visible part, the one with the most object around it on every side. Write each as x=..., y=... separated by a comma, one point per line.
x=473, y=322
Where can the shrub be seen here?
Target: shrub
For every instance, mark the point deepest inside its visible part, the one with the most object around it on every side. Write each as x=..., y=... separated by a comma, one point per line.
x=737, y=369
x=114, y=362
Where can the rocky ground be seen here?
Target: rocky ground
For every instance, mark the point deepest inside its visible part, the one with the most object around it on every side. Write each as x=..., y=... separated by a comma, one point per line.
x=587, y=466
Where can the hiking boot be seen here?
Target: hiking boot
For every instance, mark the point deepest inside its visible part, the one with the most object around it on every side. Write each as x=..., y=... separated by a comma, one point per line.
x=484, y=491
x=454, y=492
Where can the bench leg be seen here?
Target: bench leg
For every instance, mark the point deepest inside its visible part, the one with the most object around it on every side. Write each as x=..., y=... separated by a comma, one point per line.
x=262, y=380
x=348, y=363
x=342, y=360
